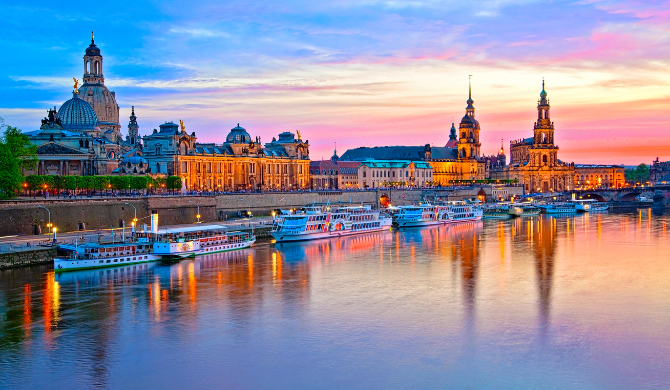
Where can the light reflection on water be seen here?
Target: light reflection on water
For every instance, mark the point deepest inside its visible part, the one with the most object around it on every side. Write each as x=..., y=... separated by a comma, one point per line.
x=567, y=302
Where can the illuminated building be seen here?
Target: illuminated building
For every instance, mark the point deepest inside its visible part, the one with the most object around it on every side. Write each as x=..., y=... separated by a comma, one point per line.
x=240, y=163
x=534, y=161
x=603, y=176
x=459, y=159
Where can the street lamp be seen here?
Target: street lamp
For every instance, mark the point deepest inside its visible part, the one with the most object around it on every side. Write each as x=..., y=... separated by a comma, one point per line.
x=48, y=211
x=134, y=219
x=55, y=234
x=248, y=204
x=198, y=215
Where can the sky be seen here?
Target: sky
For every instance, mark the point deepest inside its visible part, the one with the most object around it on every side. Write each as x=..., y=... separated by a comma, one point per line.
x=358, y=73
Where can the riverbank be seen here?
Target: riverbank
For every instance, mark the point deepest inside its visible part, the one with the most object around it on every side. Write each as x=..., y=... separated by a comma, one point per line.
x=21, y=255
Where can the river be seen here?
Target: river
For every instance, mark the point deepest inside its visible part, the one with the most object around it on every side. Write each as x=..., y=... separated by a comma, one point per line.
x=544, y=303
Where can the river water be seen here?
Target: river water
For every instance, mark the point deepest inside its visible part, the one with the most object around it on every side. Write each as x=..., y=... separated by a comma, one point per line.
x=545, y=303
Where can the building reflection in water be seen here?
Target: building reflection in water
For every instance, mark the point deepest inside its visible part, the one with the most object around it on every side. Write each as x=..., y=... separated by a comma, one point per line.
x=538, y=234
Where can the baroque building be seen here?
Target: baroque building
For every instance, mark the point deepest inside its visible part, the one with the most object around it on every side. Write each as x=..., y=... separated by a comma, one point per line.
x=83, y=136
x=240, y=163
x=460, y=159
x=534, y=161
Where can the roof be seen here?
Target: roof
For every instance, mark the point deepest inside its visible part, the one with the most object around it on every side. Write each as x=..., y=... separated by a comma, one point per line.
x=76, y=113
x=53, y=148
x=395, y=164
x=188, y=229
x=411, y=153
x=348, y=167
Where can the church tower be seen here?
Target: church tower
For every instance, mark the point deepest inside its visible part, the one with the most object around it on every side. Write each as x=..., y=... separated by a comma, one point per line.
x=133, y=137
x=468, y=143
x=95, y=93
x=544, y=151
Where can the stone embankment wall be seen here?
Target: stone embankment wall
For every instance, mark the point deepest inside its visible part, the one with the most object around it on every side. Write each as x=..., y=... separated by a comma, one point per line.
x=17, y=217
x=27, y=257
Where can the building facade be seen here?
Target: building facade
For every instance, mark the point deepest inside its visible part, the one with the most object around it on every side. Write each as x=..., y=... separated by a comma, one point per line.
x=460, y=159
x=83, y=136
x=395, y=173
x=534, y=161
x=599, y=176
x=240, y=163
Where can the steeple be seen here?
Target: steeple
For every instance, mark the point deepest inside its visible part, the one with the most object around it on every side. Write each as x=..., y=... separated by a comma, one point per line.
x=470, y=109
x=335, y=157
x=133, y=137
x=93, y=64
x=452, y=133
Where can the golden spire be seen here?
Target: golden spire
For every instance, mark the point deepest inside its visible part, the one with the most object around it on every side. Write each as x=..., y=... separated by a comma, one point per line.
x=92, y=37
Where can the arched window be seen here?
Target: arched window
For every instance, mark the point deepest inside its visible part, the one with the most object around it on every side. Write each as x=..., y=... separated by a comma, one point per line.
x=182, y=148
x=544, y=159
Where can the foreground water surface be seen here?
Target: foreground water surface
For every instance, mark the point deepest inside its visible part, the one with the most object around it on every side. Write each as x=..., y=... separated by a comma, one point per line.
x=568, y=302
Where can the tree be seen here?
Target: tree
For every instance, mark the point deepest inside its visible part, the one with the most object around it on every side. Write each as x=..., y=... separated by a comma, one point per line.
x=173, y=183
x=70, y=183
x=20, y=147
x=139, y=182
x=10, y=173
x=638, y=175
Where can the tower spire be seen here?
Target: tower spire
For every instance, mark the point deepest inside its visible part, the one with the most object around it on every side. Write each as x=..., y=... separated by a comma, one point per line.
x=470, y=86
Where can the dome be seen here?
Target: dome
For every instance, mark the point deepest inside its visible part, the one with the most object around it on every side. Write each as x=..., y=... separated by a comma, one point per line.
x=92, y=49
x=76, y=114
x=238, y=135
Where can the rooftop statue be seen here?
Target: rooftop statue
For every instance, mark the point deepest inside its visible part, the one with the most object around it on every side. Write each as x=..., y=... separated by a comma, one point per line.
x=298, y=132
x=76, y=85
x=181, y=125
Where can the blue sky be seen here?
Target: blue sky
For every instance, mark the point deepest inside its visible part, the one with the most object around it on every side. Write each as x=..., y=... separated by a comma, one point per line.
x=358, y=72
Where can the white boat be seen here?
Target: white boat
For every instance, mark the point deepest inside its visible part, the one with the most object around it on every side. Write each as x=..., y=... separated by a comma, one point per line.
x=586, y=205
x=424, y=214
x=523, y=210
x=326, y=222
x=461, y=211
x=558, y=208
x=427, y=214
x=496, y=211
x=644, y=199
x=153, y=245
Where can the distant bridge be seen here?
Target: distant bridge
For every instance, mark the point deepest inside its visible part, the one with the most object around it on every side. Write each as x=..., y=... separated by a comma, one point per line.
x=659, y=194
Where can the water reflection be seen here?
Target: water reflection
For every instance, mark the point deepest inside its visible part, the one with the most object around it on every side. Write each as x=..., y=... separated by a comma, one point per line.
x=424, y=307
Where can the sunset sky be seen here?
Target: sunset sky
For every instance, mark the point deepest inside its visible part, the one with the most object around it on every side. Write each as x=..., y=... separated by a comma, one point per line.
x=358, y=73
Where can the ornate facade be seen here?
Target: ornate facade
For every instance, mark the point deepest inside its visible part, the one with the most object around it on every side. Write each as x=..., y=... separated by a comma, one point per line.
x=599, y=176
x=459, y=159
x=240, y=163
x=83, y=137
x=534, y=161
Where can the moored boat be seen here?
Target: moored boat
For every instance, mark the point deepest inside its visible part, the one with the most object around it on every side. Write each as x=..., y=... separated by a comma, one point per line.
x=153, y=245
x=523, y=210
x=586, y=205
x=326, y=222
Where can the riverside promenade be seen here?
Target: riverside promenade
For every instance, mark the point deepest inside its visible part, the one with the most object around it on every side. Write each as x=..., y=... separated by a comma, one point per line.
x=20, y=216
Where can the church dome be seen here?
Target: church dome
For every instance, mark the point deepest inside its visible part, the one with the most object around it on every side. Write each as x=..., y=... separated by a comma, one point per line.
x=238, y=135
x=92, y=49
x=76, y=114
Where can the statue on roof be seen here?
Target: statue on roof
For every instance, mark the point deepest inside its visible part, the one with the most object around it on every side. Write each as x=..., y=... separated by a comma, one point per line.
x=298, y=132
x=76, y=85
x=181, y=125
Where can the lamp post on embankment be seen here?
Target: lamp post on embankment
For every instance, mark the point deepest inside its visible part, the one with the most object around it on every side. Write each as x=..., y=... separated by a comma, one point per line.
x=198, y=215
x=48, y=211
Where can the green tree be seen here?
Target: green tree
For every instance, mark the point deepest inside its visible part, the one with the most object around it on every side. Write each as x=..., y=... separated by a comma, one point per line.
x=173, y=183
x=70, y=183
x=10, y=173
x=35, y=182
x=20, y=147
x=139, y=182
